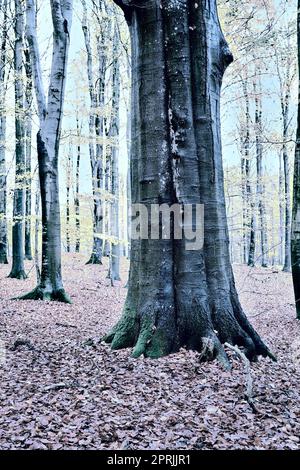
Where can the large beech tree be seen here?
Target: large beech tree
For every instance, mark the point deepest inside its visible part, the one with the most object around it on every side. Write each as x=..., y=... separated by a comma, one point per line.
x=178, y=297
x=48, y=139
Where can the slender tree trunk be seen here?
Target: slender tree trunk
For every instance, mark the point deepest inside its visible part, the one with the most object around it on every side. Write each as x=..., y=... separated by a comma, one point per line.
x=69, y=182
x=281, y=213
x=76, y=200
x=48, y=139
x=36, y=234
x=96, y=130
x=28, y=134
x=295, y=238
x=114, y=138
x=17, y=270
x=176, y=296
x=3, y=189
x=260, y=189
x=107, y=247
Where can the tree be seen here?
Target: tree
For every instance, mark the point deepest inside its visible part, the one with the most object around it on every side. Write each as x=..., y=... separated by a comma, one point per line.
x=28, y=134
x=179, y=297
x=295, y=238
x=114, y=136
x=50, y=114
x=76, y=198
x=3, y=189
x=96, y=126
x=17, y=270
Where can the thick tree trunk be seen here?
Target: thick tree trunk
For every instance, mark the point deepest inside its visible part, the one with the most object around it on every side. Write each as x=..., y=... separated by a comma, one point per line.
x=48, y=139
x=17, y=270
x=3, y=189
x=179, y=297
x=28, y=134
x=295, y=238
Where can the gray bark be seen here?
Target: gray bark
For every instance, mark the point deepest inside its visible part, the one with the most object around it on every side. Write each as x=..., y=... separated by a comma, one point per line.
x=295, y=237
x=50, y=113
x=114, y=138
x=260, y=187
x=17, y=270
x=76, y=199
x=28, y=134
x=177, y=297
x=96, y=131
x=3, y=189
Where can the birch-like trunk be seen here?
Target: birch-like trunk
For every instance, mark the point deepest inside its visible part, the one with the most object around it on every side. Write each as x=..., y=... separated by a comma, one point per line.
x=18, y=270
x=295, y=238
x=178, y=297
x=28, y=134
x=50, y=286
x=3, y=189
x=76, y=199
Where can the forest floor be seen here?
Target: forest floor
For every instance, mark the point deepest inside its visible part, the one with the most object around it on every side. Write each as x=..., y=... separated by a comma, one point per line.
x=65, y=390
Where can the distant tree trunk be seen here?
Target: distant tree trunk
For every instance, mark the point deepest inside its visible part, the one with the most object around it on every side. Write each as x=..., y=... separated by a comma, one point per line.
x=295, y=239
x=96, y=130
x=106, y=251
x=36, y=234
x=76, y=200
x=48, y=139
x=69, y=182
x=28, y=133
x=3, y=189
x=281, y=213
x=17, y=270
x=287, y=195
x=260, y=189
x=176, y=296
x=114, y=137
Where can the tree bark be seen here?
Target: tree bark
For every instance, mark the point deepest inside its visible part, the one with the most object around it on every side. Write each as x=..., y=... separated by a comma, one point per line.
x=295, y=237
x=50, y=286
x=28, y=134
x=18, y=270
x=114, y=138
x=3, y=188
x=178, y=297
x=96, y=131
x=260, y=187
x=76, y=199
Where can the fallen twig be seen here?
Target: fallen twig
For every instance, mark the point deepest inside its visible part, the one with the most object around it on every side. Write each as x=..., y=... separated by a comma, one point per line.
x=249, y=380
x=65, y=325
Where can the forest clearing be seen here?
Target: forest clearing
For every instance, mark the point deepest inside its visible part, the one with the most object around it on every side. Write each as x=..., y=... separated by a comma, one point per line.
x=63, y=389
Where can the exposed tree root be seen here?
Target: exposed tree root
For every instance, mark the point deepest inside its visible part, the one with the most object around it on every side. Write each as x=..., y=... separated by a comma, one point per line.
x=40, y=293
x=17, y=275
x=148, y=334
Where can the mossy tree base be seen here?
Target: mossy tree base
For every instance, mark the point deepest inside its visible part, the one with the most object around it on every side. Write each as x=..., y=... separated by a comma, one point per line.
x=198, y=329
x=40, y=293
x=20, y=274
